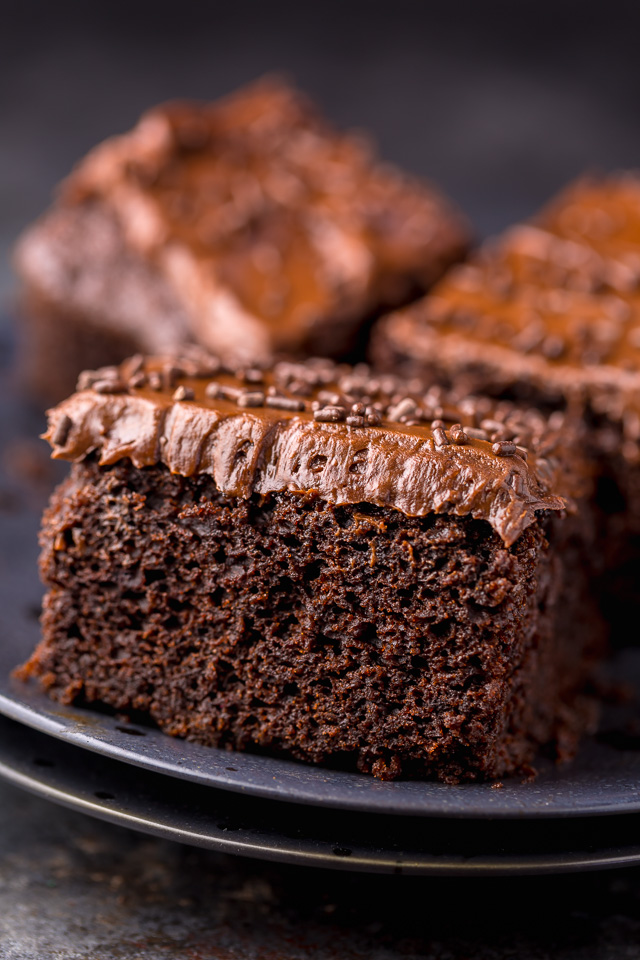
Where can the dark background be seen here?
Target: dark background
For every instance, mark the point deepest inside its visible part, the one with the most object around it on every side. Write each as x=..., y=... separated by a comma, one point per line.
x=500, y=102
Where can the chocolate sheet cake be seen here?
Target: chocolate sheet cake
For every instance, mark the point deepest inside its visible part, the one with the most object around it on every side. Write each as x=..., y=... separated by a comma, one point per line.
x=316, y=562
x=247, y=225
x=550, y=313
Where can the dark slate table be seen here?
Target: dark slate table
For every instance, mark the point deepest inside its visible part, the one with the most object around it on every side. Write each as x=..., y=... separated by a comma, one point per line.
x=501, y=103
x=73, y=888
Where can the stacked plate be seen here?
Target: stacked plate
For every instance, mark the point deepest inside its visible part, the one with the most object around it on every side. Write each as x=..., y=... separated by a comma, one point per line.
x=582, y=815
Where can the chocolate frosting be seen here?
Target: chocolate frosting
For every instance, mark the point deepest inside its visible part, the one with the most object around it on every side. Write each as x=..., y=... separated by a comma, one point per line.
x=264, y=222
x=555, y=304
x=355, y=438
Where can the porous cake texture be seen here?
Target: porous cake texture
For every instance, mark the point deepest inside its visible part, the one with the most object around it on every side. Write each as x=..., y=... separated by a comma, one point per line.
x=316, y=562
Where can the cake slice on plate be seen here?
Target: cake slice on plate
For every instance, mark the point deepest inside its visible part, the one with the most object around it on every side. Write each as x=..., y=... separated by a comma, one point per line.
x=320, y=563
x=549, y=313
x=248, y=225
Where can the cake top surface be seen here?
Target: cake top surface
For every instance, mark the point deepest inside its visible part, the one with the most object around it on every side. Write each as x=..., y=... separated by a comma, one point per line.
x=561, y=293
x=264, y=217
x=340, y=432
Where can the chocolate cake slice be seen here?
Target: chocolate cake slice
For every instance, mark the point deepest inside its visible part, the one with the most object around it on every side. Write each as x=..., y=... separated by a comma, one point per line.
x=550, y=313
x=247, y=225
x=314, y=562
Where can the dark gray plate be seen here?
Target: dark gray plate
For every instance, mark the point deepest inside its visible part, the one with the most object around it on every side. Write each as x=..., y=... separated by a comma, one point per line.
x=605, y=778
x=256, y=827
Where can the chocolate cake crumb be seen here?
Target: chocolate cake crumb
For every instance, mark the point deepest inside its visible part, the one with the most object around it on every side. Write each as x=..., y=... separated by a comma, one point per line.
x=429, y=700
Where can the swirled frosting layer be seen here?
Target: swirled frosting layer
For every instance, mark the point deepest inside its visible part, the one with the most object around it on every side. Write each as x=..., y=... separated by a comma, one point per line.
x=335, y=431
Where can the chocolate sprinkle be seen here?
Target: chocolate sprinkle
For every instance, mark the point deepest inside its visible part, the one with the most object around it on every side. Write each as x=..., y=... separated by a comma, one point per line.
x=183, y=393
x=330, y=414
x=491, y=426
x=300, y=388
x=476, y=433
x=169, y=375
x=86, y=380
x=504, y=448
x=200, y=362
x=284, y=403
x=458, y=435
x=109, y=386
x=61, y=432
x=252, y=398
x=404, y=408
x=132, y=366
x=553, y=347
x=214, y=390
x=329, y=397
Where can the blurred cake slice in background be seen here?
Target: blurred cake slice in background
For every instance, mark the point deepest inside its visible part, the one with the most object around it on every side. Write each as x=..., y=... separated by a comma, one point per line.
x=248, y=226
x=549, y=313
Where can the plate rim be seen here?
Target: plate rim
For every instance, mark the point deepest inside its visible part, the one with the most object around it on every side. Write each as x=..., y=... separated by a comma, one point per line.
x=44, y=720
x=148, y=819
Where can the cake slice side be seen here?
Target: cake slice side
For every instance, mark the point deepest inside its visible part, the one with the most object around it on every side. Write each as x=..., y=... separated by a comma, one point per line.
x=299, y=620
x=352, y=636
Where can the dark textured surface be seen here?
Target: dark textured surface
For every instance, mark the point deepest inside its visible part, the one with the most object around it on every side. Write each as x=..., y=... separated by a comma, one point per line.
x=72, y=888
x=502, y=103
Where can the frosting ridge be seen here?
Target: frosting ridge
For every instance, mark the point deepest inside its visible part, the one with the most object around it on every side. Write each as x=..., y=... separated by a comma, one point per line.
x=315, y=427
